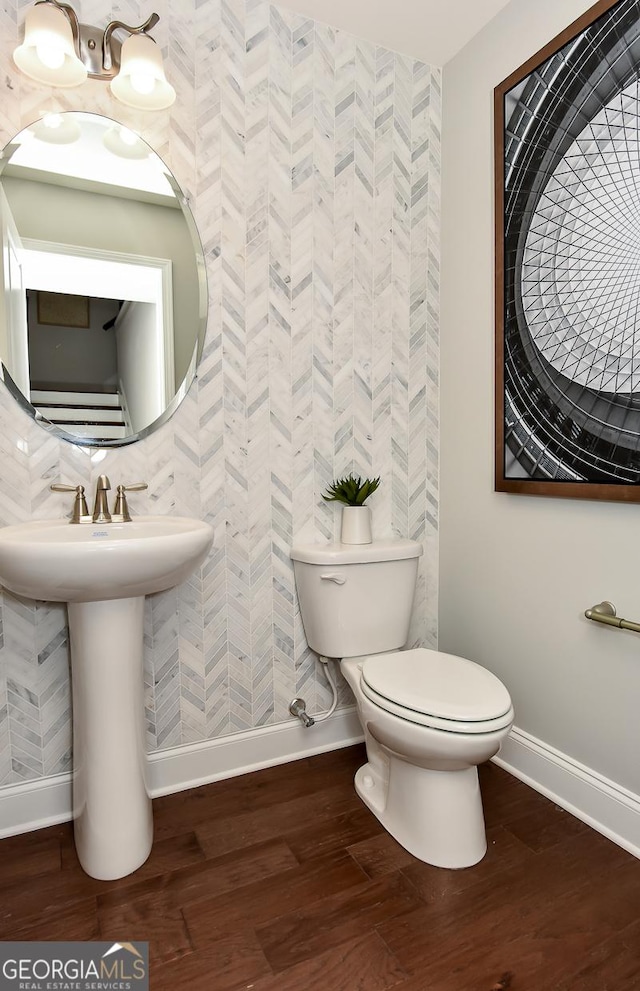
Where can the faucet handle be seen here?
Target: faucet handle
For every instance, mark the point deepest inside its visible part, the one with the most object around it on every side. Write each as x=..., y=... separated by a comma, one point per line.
x=80, y=512
x=120, y=512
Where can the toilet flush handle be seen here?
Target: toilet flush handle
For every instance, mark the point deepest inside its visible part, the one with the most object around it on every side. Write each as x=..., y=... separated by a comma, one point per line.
x=336, y=579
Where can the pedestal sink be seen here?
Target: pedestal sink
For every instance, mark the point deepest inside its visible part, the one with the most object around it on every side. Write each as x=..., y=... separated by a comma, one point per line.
x=103, y=572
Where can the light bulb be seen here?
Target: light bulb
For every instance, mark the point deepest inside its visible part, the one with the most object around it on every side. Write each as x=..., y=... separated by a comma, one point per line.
x=142, y=82
x=50, y=55
x=124, y=143
x=47, y=53
x=128, y=137
x=57, y=129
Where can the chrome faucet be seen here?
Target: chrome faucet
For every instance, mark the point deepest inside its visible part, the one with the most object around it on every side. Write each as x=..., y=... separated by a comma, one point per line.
x=101, y=512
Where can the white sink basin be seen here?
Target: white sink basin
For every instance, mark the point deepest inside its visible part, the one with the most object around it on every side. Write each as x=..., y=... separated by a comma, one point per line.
x=88, y=562
x=103, y=572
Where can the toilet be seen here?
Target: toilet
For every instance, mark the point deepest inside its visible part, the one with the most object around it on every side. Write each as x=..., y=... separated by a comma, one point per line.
x=429, y=718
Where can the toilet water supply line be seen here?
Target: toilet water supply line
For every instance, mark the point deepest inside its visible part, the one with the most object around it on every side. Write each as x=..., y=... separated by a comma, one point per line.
x=298, y=706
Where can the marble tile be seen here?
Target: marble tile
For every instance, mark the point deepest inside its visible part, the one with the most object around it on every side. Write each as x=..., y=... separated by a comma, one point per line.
x=311, y=160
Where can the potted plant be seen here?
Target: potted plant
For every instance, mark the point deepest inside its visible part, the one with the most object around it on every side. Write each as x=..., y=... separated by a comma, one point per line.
x=353, y=492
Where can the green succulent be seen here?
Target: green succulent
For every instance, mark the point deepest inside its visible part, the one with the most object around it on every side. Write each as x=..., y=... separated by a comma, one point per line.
x=351, y=491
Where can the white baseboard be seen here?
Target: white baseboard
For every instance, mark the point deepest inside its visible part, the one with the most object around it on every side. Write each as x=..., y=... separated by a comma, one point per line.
x=45, y=802
x=201, y=763
x=606, y=806
x=35, y=804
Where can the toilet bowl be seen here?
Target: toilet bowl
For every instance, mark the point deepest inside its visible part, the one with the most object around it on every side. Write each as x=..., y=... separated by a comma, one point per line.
x=429, y=718
x=421, y=776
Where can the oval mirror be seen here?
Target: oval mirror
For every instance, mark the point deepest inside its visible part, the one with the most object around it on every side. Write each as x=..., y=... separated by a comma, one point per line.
x=102, y=282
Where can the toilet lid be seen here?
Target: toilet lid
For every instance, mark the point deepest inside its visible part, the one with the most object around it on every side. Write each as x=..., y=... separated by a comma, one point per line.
x=431, y=683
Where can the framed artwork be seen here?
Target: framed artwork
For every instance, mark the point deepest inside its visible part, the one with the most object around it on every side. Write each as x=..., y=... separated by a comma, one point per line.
x=567, y=174
x=59, y=309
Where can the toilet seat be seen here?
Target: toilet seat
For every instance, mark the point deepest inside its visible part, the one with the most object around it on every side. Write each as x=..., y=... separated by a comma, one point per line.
x=439, y=690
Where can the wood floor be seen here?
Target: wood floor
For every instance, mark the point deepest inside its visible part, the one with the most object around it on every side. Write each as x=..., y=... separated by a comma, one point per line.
x=282, y=881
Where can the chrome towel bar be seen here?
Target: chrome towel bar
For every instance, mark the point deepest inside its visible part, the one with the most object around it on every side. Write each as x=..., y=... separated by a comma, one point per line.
x=605, y=612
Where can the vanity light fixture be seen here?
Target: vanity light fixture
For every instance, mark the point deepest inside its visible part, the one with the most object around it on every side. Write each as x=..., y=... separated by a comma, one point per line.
x=57, y=129
x=59, y=51
x=124, y=143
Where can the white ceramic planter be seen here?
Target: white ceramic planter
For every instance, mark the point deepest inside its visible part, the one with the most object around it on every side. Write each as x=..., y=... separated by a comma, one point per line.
x=356, y=525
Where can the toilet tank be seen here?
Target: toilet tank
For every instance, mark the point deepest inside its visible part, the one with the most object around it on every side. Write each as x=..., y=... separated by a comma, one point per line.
x=356, y=598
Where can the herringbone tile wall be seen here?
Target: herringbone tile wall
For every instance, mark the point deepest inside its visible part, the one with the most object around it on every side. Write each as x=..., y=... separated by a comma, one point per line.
x=311, y=159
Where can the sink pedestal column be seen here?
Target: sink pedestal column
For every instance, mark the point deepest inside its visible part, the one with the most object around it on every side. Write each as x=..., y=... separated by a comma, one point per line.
x=113, y=822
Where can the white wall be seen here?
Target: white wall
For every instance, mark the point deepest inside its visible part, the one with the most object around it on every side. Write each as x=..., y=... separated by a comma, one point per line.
x=73, y=356
x=431, y=30
x=139, y=368
x=518, y=572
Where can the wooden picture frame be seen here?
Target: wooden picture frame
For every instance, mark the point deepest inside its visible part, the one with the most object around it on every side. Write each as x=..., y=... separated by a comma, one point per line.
x=567, y=151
